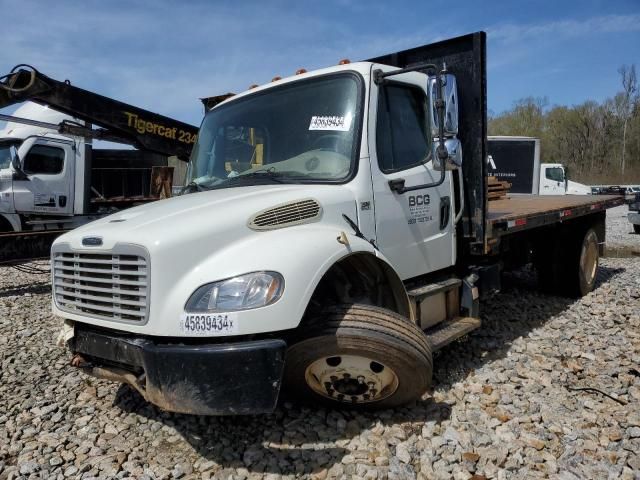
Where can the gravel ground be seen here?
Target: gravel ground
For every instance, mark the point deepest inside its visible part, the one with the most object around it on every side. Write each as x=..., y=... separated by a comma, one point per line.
x=505, y=404
x=620, y=235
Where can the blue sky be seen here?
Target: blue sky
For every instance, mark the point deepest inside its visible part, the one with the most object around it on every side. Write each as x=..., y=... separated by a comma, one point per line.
x=165, y=55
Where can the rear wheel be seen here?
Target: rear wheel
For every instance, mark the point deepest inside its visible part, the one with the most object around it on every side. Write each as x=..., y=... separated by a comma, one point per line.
x=569, y=266
x=636, y=228
x=359, y=356
x=588, y=264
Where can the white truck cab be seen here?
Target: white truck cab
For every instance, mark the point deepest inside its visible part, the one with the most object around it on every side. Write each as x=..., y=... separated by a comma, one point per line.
x=43, y=183
x=552, y=179
x=289, y=181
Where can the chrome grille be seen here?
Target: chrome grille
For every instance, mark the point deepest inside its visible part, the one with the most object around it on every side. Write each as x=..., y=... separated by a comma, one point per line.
x=108, y=286
x=293, y=213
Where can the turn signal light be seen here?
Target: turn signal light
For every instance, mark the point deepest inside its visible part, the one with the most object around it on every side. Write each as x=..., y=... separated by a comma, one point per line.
x=255, y=85
x=300, y=71
x=276, y=78
x=344, y=61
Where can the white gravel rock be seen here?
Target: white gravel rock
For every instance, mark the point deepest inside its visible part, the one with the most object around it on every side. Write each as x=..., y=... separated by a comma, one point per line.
x=620, y=234
x=506, y=403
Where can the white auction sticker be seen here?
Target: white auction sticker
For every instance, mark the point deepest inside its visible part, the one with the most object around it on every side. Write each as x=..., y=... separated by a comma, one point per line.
x=207, y=324
x=340, y=123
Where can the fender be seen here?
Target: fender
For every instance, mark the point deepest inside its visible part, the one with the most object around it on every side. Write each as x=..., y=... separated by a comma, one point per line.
x=302, y=255
x=12, y=220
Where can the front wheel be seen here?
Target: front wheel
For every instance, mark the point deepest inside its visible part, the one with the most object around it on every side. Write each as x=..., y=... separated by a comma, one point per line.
x=359, y=356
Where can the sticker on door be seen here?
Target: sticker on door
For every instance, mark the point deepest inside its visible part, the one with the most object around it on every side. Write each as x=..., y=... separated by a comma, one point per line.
x=419, y=208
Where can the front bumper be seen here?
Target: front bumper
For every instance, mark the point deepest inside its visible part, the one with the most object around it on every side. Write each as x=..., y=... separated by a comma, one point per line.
x=634, y=217
x=231, y=378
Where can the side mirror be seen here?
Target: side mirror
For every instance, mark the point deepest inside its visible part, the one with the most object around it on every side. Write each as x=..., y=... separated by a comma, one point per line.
x=450, y=97
x=454, y=155
x=18, y=173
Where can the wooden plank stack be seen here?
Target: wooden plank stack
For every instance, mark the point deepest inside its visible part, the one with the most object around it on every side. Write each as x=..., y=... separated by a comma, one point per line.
x=496, y=189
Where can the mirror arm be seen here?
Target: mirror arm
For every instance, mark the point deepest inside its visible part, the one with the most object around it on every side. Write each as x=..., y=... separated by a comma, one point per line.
x=379, y=75
x=18, y=173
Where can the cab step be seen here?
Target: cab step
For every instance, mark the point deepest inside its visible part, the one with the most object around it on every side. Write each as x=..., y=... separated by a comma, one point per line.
x=449, y=330
x=434, y=288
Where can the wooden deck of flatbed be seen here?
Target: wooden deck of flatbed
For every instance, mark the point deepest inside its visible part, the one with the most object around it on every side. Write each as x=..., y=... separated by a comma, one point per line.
x=523, y=212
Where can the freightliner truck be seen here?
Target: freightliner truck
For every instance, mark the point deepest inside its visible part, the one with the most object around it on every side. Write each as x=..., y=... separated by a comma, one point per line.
x=51, y=177
x=337, y=234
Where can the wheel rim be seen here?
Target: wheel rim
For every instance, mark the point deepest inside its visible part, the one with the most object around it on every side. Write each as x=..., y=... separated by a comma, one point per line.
x=351, y=379
x=589, y=260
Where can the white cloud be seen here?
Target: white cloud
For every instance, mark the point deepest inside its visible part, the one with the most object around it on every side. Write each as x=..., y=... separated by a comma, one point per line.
x=510, y=33
x=510, y=43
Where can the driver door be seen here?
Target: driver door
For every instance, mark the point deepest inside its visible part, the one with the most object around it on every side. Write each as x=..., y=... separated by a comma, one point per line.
x=553, y=181
x=414, y=230
x=49, y=187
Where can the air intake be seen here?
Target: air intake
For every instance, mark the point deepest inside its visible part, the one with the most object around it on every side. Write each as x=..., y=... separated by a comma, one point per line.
x=286, y=215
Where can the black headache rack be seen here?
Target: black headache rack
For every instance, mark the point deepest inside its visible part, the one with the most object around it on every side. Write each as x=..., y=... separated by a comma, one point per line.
x=465, y=57
x=118, y=121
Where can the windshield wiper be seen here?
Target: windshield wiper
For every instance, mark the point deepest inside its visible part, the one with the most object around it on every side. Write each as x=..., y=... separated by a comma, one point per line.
x=270, y=174
x=193, y=186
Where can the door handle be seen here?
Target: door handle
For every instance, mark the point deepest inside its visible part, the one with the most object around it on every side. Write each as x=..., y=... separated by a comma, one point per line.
x=445, y=208
x=397, y=185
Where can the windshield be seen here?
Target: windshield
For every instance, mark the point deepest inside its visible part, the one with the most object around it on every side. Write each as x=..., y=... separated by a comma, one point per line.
x=305, y=131
x=5, y=152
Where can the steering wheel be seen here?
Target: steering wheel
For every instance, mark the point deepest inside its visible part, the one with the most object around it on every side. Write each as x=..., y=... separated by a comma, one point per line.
x=329, y=139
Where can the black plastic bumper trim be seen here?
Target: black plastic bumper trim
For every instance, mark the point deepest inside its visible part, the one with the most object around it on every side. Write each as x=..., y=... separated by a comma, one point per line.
x=211, y=379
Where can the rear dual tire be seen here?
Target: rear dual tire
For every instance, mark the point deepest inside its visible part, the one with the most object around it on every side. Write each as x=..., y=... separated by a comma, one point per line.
x=569, y=266
x=359, y=356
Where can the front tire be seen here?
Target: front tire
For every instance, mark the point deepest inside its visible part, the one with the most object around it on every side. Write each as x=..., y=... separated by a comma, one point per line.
x=359, y=356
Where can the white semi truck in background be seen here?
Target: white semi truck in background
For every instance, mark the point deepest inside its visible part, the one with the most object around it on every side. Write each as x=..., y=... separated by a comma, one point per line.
x=517, y=161
x=52, y=179
x=336, y=233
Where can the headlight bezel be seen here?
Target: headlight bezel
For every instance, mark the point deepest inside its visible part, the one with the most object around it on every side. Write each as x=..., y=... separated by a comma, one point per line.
x=205, y=291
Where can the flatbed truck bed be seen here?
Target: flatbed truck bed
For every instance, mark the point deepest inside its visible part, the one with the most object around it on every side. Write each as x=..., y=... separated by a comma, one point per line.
x=525, y=212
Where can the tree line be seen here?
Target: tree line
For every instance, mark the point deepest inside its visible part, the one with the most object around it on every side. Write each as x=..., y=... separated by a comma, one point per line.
x=598, y=142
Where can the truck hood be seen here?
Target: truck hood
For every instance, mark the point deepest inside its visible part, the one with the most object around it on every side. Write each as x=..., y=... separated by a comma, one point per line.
x=217, y=217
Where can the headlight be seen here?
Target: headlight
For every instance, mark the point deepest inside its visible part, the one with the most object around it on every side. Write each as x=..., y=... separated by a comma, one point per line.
x=244, y=292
